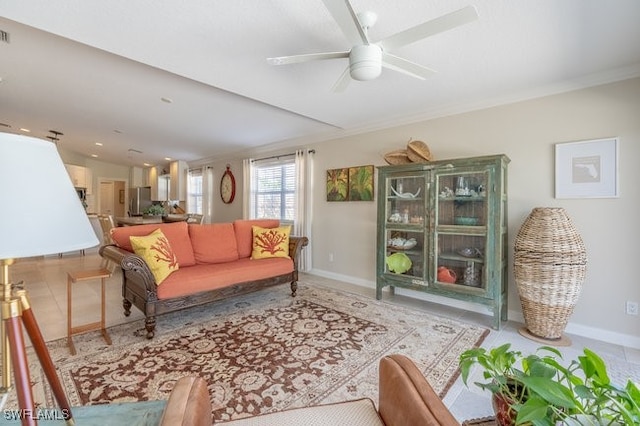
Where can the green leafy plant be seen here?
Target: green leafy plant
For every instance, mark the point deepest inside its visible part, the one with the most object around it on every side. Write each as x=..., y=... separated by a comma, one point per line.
x=154, y=210
x=543, y=392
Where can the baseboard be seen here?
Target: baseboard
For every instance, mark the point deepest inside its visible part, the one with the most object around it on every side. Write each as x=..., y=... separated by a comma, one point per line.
x=608, y=336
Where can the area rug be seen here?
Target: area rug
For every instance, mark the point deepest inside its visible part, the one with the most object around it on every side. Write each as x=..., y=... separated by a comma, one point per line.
x=261, y=352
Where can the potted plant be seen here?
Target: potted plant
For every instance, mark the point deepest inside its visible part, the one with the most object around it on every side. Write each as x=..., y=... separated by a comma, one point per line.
x=537, y=389
x=155, y=210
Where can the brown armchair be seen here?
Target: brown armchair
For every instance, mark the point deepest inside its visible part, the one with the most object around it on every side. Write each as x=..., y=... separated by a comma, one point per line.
x=405, y=399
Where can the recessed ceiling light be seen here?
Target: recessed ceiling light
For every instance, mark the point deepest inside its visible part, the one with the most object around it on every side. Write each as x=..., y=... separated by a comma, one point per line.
x=94, y=155
x=166, y=100
x=22, y=129
x=146, y=164
x=167, y=158
x=98, y=144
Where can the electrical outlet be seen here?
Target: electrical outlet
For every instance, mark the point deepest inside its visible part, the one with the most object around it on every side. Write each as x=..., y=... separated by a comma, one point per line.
x=631, y=308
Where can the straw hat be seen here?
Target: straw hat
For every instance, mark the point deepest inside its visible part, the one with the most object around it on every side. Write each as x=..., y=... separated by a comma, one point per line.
x=418, y=152
x=396, y=157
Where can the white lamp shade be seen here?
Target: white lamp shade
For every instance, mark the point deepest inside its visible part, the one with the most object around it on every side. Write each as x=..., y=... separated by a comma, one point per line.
x=41, y=211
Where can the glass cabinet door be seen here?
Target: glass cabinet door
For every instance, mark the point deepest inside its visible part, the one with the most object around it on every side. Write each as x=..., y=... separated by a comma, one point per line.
x=405, y=221
x=460, y=237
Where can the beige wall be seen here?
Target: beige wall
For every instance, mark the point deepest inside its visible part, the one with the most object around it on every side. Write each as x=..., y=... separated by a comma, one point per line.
x=526, y=132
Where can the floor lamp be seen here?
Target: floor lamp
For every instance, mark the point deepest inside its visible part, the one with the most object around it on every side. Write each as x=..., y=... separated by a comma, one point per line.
x=42, y=215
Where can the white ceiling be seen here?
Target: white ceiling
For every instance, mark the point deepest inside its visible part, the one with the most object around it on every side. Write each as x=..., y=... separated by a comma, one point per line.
x=97, y=70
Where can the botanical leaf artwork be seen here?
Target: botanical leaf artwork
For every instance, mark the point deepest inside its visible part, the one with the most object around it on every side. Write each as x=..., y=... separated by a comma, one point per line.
x=164, y=253
x=361, y=183
x=337, y=184
x=270, y=241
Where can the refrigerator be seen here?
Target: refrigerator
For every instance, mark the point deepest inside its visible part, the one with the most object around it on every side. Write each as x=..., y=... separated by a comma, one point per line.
x=139, y=200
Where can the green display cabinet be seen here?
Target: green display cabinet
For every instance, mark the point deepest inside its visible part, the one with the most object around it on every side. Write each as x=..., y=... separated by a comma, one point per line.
x=442, y=229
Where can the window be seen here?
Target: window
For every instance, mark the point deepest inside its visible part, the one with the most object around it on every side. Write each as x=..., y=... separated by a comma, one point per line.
x=194, y=191
x=274, y=189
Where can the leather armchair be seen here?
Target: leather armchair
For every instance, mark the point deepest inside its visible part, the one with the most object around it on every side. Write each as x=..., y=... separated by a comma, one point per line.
x=189, y=404
x=405, y=399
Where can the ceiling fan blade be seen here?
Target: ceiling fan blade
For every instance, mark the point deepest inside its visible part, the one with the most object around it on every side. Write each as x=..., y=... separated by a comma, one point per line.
x=347, y=20
x=342, y=82
x=283, y=60
x=429, y=28
x=406, y=67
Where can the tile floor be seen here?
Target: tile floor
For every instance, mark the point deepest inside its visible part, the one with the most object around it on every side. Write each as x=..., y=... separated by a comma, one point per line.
x=46, y=280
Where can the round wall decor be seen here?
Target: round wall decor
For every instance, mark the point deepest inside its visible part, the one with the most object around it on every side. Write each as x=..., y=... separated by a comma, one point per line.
x=227, y=186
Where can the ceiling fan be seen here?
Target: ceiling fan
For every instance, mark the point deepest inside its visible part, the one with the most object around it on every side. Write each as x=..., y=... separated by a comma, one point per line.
x=366, y=59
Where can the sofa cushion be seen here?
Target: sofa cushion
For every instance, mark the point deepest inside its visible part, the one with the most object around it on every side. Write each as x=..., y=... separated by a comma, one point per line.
x=213, y=243
x=244, y=235
x=177, y=233
x=211, y=276
x=270, y=242
x=157, y=253
x=352, y=413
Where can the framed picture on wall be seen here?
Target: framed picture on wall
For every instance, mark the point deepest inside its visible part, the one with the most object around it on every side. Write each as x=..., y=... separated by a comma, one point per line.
x=337, y=184
x=361, y=183
x=587, y=169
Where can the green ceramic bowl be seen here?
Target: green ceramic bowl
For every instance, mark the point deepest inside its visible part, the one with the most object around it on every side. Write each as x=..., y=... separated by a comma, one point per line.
x=466, y=221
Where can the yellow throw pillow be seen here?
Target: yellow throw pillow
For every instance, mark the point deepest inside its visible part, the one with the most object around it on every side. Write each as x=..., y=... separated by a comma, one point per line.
x=270, y=242
x=156, y=251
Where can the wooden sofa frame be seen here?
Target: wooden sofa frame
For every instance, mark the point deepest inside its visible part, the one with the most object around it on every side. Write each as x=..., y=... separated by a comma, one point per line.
x=139, y=287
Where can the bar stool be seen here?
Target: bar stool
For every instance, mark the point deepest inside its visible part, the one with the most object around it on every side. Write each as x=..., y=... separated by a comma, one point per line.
x=85, y=275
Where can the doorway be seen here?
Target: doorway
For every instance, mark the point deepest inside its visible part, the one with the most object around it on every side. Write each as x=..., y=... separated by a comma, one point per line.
x=112, y=197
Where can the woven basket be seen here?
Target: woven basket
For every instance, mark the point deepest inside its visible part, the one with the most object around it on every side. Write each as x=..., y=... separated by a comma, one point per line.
x=396, y=157
x=549, y=266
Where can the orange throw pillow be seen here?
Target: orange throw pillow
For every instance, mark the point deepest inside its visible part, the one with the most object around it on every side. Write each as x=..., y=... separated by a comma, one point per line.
x=270, y=242
x=213, y=242
x=156, y=251
x=244, y=233
x=177, y=233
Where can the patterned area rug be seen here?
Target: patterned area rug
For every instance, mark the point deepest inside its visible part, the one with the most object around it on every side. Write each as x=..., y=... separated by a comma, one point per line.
x=262, y=352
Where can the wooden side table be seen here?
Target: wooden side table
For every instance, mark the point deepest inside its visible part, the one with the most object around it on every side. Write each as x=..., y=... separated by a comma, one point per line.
x=85, y=275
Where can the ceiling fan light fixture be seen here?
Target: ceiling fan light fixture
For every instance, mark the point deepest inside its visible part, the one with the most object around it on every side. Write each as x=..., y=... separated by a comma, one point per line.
x=365, y=62
x=366, y=59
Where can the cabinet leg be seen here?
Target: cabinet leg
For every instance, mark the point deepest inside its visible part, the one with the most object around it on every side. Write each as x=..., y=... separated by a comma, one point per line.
x=505, y=307
x=497, y=314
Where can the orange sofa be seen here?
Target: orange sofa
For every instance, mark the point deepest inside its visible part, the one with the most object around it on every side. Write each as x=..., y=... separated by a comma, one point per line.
x=214, y=263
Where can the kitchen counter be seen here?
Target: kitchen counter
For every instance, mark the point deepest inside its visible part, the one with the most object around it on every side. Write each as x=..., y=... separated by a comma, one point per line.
x=137, y=220
x=144, y=220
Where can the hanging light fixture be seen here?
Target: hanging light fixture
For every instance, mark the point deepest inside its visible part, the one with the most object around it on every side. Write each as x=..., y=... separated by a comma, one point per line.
x=55, y=136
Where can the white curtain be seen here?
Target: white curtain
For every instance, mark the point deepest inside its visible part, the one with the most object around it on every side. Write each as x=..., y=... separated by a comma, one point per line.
x=247, y=195
x=304, y=197
x=207, y=194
